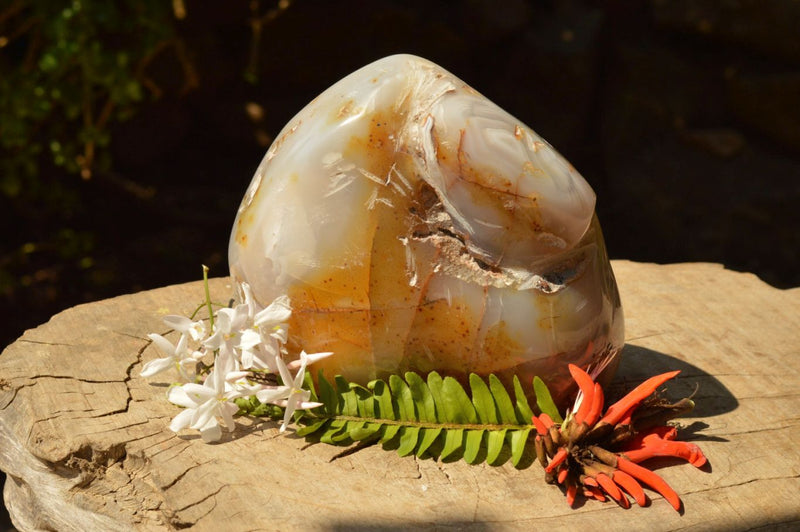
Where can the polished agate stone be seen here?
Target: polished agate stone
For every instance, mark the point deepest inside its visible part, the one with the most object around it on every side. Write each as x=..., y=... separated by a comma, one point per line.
x=415, y=225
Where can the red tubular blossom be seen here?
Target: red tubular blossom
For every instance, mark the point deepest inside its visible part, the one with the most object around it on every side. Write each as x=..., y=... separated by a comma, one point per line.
x=610, y=487
x=616, y=411
x=626, y=417
x=651, y=479
x=597, y=405
x=666, y=432
x=572, y=490
x=654, y=446
x=557, y=460
x=586, y=386
x=541, y=429
x=594, y=492
x=629, y=484
x=661, y=441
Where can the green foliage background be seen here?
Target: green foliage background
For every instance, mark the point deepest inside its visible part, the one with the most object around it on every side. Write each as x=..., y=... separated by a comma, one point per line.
x=66, y=70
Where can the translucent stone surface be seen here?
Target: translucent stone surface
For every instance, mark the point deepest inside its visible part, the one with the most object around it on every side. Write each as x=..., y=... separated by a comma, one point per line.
x=415, y=225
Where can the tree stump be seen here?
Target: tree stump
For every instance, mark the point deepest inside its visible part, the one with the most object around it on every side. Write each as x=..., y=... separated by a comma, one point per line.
x=86, y=445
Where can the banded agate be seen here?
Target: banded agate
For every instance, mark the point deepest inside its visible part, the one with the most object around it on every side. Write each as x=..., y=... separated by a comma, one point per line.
x=415, y=225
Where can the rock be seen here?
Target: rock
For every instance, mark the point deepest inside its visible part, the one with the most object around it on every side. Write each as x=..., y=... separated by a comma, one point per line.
x=85, y=442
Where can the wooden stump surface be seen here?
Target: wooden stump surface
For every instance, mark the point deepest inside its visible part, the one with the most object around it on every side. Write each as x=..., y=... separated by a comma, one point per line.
x=86, y=445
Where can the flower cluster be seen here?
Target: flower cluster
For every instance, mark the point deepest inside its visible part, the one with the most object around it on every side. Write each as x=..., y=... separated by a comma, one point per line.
x=599, y=456
x=247, y=345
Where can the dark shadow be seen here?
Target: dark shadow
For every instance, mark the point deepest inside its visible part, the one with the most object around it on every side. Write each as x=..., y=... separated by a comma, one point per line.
x=259, y=425
x=438, y=525
x=693, y=432
x=5, y=518
x=638, y=363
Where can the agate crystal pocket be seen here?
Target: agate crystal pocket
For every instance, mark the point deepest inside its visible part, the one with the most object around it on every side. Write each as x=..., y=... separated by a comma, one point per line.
x=416, y=226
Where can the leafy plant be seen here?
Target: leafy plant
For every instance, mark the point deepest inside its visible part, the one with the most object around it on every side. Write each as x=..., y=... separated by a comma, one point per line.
x=433, y=416
x=68, y=69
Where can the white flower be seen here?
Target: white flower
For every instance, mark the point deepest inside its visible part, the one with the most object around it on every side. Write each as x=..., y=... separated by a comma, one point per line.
x=291, y=396
x=251, y=332
x=206, y=404
x=280, y=333
x=196, y=330
x=253, y=307
x=240, y=381
x=178, y=356
x=228, y=329
x=246, y=338
x=270, y=330
x=249, y=343
x=262, y=356
x=275, y=314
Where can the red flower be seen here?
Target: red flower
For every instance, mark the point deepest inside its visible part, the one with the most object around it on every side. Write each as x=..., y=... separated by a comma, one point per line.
x=598, y=456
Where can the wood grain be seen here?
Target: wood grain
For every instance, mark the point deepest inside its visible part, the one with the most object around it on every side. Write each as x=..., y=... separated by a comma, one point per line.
x=85, y=442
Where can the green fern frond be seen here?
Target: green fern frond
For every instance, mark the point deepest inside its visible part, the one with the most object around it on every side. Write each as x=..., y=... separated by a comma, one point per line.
x=545, y=401
x=426, y=417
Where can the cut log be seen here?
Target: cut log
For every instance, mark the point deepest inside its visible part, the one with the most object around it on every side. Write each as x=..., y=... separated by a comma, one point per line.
x=86, y=445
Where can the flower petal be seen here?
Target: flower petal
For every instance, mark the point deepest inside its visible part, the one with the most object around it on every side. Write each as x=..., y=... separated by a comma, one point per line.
x=287, y=415
x=309, y=359
x=619, y=409
x=276, y=312
x=248, y=339
x=266, y=359
x=199, y=393
x=179, y=323
x=177, y=395
x=226, y=411
x=164, y=345
x=225, y=318
x=205, y=413
x=215, y=340
x=651, y=479
x=211, y=434
x=270, y=395
x=182, y=420
x=157, y=366
x=248, y=358
x=286, y=376
x=187, y=369
x=240, y=318
x=305, y=405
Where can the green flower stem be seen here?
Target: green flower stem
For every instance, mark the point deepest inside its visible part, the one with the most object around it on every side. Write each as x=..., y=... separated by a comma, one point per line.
x=208, y=297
